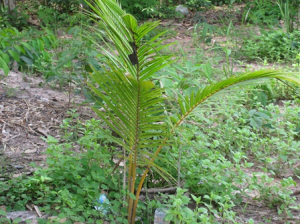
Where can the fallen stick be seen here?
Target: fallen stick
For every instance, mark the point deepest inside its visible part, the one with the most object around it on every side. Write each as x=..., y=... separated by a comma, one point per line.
x=157, y=190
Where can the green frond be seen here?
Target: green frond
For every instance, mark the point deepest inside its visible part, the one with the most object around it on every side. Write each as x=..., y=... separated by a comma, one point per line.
x=145, y=29
x=189, y=103
x=144, y=161
x=134, y=115
x=124, y=35
x=131, y=104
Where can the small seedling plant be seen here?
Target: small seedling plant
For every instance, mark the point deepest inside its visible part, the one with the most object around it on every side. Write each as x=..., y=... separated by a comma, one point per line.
x=132, y=106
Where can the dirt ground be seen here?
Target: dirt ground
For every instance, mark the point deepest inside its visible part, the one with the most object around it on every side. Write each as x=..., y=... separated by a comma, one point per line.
x=30, y=111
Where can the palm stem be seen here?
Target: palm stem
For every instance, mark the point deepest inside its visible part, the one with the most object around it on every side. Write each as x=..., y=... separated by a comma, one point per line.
x=133, y=155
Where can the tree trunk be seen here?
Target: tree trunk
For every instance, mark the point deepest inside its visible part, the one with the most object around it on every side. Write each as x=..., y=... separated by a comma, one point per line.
x=11, y=4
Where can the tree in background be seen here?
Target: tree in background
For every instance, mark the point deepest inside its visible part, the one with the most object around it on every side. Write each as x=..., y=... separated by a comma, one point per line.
x=10, y=4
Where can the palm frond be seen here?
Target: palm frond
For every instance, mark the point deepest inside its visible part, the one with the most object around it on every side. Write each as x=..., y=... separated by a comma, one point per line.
x=189, y=103
x=127, y=37
x=129, y=109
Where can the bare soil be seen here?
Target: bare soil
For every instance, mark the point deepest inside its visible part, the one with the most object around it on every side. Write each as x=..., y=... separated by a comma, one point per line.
x=29, y=113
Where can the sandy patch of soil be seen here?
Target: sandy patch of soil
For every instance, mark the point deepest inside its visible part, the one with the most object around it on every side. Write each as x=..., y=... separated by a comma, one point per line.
x=29, y=113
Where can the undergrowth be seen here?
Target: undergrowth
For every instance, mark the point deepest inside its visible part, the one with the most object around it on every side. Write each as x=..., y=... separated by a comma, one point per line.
x=226, y=150
x=214, y=156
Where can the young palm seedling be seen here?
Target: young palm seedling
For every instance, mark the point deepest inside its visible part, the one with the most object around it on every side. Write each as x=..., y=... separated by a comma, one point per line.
x=132, y=106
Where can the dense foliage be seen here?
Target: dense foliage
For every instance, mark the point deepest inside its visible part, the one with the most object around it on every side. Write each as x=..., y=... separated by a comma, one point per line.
x=273, y=46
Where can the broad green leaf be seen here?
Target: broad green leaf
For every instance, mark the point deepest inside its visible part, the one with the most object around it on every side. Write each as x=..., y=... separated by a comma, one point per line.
x=169, y=217
x=202, y=210
x=130, y=22
x=28, y=61
x=2, y=213
x=252, y=112
x=263, y=98
x=40, y=44
x=5, y=57
x=4, y=66
x=46, y=41
x=188, y=212
x=132, y=196
x=14, y=55
x=26, y=45
x=103, y=186
x=265, y=114
x=28, y=52
x=269, y=126
x=19, y=49
x=34, y=44
x=65, y=60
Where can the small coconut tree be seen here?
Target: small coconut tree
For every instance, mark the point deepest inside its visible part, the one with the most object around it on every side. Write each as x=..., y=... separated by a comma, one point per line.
x=132, y=106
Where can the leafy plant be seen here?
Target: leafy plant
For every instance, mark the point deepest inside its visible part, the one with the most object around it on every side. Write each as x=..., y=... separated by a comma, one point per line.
x=63, y=6
x=66, y=64
x=206, y=31
x=132, y=106
x=276, y=195
x=257, y=117
x=178, y=211
x=260, y=11
x=273, y=46
x=289, y=9
x=3, y=216
x=222, y=2
x=24, y=53
x=70, y=63
x=13, y=18
x=140, y=9
x=48, y=15
x=270, y=12
x=73, y=179
x=177, y=208
x=196, y=5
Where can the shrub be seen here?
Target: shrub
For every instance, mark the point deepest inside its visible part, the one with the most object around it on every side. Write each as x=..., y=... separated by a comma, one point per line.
x=13, y=18
x=259, y=12
x=73, y=180
x=272, y=45
x=64, y=5
x=138, y=8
